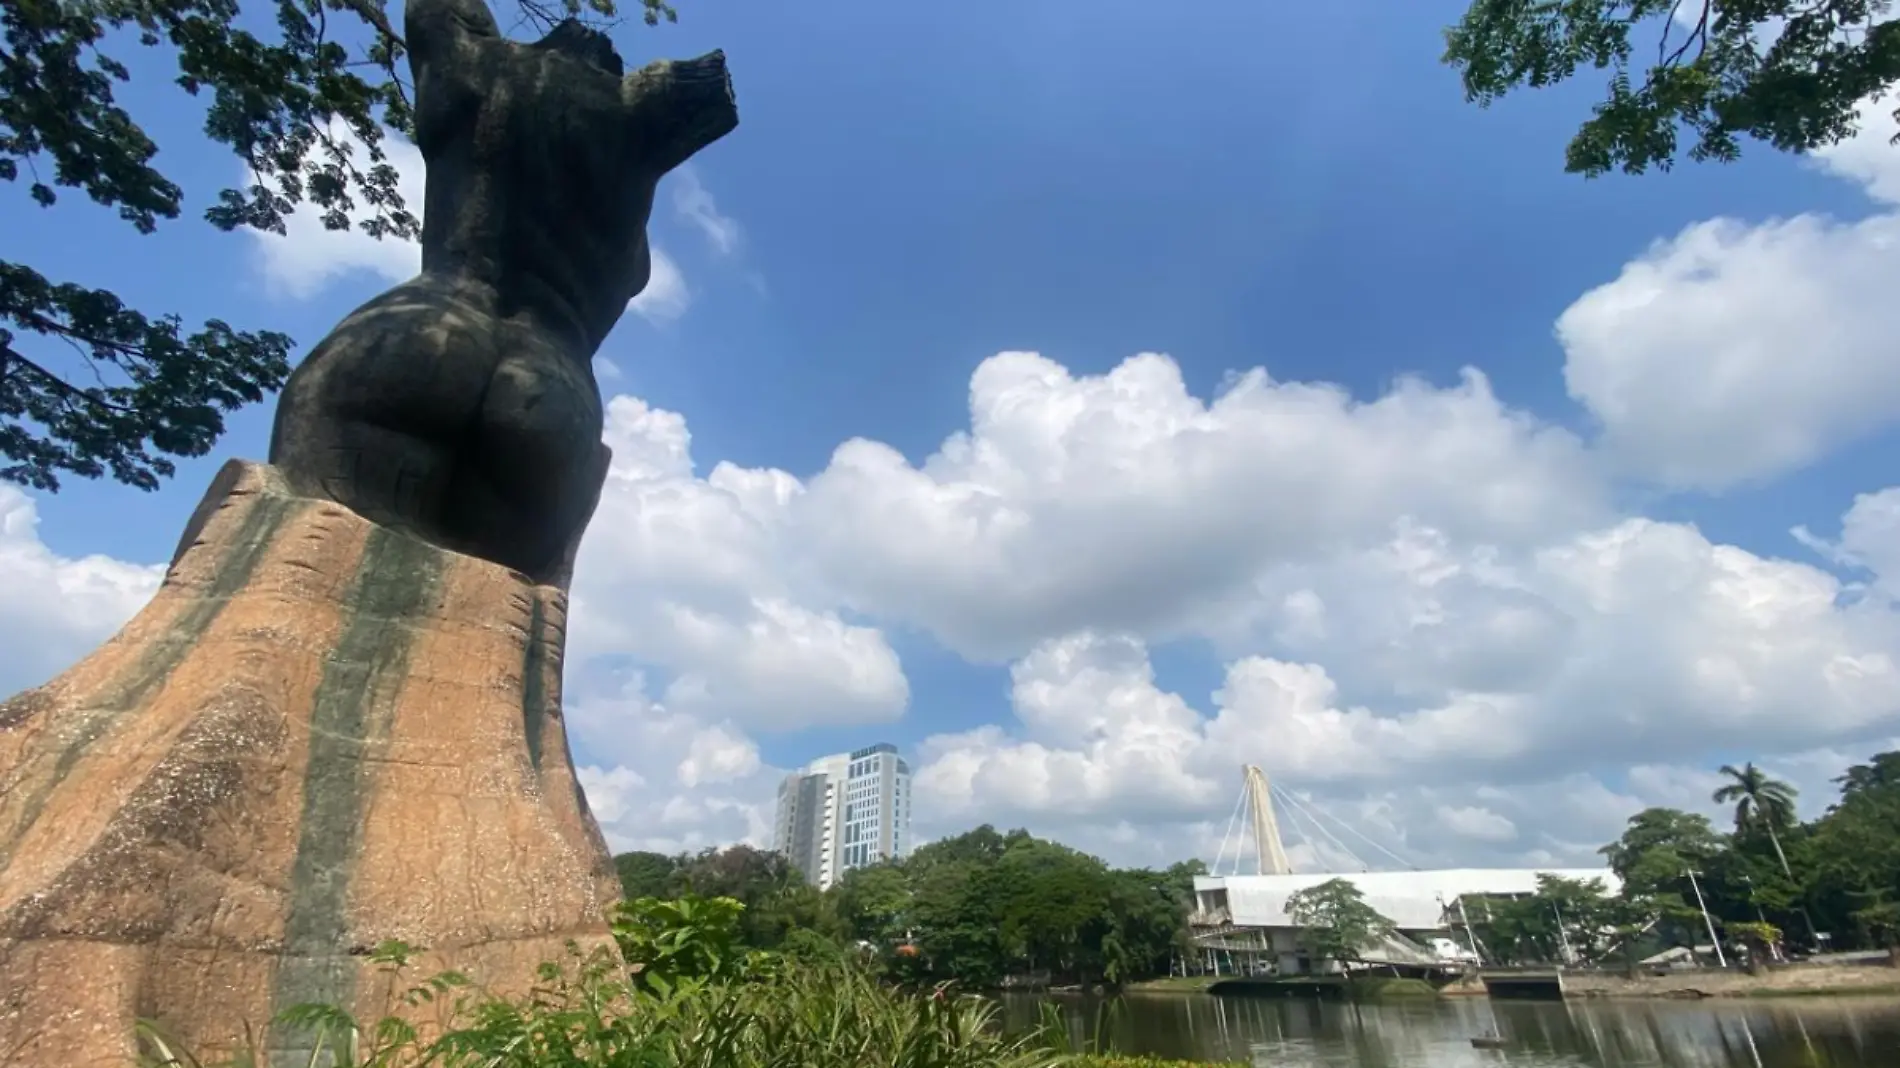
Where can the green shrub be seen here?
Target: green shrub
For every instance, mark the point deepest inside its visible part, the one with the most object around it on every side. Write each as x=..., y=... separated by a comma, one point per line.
x=667, y=940
x=693, y=1000
x=809, y=947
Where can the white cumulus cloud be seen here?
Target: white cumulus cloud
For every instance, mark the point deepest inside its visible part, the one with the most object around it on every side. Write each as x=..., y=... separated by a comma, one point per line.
x=666, y=296
x=1431, y=626
x=1633, y=646
x=54, y=609
x=694, y=203
x=1476, y=821
x=690, y=575
x=668, y=781
x=1123, y=502
x=1738, y=351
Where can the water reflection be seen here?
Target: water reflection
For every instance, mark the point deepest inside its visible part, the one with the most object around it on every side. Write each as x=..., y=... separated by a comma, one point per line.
x=1437, y=1034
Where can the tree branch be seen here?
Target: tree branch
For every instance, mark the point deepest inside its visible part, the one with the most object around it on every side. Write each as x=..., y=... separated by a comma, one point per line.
x=10, y=358
x=370, y=13
x=1699, y=34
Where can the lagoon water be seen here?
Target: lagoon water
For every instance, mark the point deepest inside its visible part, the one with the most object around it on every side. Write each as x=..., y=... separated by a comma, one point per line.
x=1793, y=1033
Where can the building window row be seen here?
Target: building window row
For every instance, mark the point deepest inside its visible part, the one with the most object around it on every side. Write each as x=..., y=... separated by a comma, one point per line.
x=857, y=818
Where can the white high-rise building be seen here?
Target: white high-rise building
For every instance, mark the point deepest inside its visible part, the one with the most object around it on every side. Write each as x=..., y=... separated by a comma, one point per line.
x=849, y=810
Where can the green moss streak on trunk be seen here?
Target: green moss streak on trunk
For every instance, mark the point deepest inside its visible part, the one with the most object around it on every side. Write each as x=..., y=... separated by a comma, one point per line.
x=144, y=676
x=534, y=687
x=397, y=586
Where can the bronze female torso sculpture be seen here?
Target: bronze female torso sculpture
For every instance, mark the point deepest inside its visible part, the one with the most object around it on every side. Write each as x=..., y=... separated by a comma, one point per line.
x=460, y=406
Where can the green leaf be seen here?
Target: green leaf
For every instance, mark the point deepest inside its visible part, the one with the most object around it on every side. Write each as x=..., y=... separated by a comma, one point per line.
x=1718, y=72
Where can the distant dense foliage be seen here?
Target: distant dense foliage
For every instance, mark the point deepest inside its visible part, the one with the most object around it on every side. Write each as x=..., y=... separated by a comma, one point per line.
x=986, y=907
x=983, y=908
x=1833, y=883
x=1838, y=875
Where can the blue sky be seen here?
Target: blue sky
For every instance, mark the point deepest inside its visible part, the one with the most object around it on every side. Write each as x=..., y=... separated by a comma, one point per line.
x=917, y=188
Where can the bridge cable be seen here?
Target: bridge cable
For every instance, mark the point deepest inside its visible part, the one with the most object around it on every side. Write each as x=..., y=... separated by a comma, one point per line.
x=1292, y=823
x=1229, y=836
x=1294, y=804
x=1355, y=832
x=1301, y=812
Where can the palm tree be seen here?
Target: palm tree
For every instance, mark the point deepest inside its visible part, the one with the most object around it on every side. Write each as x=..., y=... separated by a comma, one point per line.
x=1759, y=800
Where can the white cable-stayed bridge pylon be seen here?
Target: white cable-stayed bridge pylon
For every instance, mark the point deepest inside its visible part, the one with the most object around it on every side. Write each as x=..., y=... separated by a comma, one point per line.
x=1263, y=827
x=1259, y=800
x=1266, y=825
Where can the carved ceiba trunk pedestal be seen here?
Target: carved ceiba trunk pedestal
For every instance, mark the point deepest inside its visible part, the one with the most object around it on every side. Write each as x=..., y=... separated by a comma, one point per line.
x=321, y=734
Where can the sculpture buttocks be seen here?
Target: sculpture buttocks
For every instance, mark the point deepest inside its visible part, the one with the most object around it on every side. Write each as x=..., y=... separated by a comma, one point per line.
x=460, y=406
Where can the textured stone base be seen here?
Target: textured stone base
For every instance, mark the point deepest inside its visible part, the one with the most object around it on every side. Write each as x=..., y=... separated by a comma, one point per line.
x=319, y=735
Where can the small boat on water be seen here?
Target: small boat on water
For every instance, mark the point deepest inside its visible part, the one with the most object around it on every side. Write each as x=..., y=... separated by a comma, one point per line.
x=1487, y=1042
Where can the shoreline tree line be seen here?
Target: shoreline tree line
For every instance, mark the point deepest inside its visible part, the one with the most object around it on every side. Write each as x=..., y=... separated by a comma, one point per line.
x=989, y=908
x=985, y=908
x=1770, y=887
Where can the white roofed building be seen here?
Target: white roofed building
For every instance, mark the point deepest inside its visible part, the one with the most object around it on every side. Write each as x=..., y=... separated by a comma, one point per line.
x=1246, y=914
x=1241, y=920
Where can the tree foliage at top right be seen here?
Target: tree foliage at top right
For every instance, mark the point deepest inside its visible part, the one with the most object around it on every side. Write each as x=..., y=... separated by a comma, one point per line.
x=1791, y=73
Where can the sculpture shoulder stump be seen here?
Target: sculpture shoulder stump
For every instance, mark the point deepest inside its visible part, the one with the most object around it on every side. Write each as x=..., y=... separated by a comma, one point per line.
x=321, y=734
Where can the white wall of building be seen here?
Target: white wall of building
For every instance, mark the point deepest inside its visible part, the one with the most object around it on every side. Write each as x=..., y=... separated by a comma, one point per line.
x=1412, y=900
x=1246, y=915
x=866, y=812
x=833, y=769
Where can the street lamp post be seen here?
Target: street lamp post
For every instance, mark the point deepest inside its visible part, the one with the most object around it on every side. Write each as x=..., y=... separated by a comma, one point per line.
x=1563, y=937
x=1755, y=900
x=1720, y=959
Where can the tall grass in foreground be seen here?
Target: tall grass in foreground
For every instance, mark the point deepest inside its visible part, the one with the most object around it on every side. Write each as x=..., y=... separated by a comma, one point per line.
x=677, y=991
x=783, y=1014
